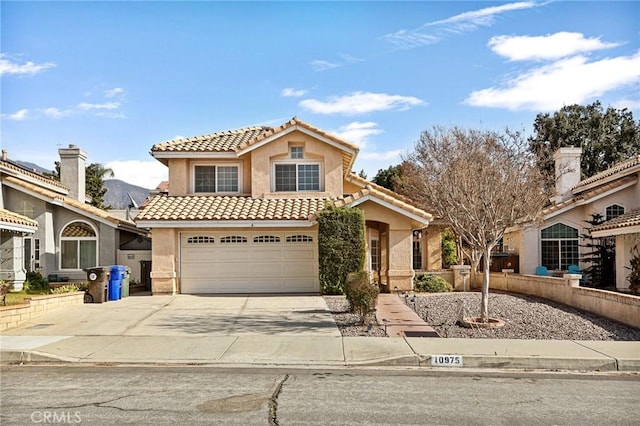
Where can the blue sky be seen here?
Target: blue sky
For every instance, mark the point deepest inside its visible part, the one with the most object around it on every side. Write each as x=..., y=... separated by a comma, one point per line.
x=115, y=78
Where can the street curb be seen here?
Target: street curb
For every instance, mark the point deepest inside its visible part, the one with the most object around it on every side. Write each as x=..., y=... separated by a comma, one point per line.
x=471, y=362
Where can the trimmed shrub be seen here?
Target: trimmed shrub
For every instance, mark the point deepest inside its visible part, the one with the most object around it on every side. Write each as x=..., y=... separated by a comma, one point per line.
x=36, y=281
x=361, y=294
x=431, y=284
x=341, y=246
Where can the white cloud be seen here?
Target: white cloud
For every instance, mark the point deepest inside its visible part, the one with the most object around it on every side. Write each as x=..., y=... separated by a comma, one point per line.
x=16, y=116
x=630, y=104
x=104, y=106
x=548, y=47
x=433, y=32
x=565, y=82
x=390, y=156
x=291, y=92
x=320, y=65
x=57, y=113
x=7, y=66
x=147, y=174
x=358, y=132
x=350, y=59
x=360, y=103
x=116, y=91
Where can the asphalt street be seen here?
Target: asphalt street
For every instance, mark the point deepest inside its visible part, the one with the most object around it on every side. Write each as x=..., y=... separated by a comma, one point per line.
x=102, y=394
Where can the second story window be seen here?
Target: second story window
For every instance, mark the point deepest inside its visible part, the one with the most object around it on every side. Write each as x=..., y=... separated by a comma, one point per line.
x=297, y=177
x=215, y=179
x=296, y=152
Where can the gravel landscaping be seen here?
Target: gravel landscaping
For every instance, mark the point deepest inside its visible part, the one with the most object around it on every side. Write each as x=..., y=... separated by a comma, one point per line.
x=348, y=322
x=526, y=317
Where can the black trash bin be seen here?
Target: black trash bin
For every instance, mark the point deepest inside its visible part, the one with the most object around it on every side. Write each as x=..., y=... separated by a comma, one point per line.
x=98, y=278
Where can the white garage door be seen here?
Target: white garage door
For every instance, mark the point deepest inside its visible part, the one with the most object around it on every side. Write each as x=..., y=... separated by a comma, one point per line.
x=249, y=262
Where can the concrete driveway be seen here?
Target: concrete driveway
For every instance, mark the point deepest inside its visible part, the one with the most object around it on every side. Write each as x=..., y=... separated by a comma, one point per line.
x=188, y=315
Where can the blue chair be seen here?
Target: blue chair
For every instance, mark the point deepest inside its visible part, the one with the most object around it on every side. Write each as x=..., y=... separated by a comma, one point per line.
x=574, y=269
x=542, y=271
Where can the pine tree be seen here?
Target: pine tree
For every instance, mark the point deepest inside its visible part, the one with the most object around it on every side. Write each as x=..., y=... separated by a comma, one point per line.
x=600, y=257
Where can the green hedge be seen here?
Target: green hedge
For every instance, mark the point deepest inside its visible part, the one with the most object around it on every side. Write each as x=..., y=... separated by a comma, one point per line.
x=431, y=284
x=341, y=246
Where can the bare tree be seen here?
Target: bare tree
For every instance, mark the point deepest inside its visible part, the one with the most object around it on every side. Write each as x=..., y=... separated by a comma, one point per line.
x=479, y=182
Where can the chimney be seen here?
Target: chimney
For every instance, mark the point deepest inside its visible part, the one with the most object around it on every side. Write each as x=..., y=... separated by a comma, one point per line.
x=72, y=171
x=567, y=161
x=4, y=155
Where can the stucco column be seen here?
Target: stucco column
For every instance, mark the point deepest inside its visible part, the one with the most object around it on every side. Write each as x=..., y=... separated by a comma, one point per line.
x=573, y=279
x=461, y=275
x=163, y=262
x=433, y=248
x=400, y=271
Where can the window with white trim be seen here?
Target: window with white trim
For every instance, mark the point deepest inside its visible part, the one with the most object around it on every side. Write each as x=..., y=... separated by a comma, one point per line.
x=613, y=211
x=233, y=239
x=559, y=246
x=296, y=152
x=297, y=177
x=299, y=239
x=200, y=239
x=78, y=246
x=374, y=252
x=266, y=239
x=216, y=178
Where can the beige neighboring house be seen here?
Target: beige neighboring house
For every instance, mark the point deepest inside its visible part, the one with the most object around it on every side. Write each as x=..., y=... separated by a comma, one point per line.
x=48, y=227
x=239, y=215
x=556, y=243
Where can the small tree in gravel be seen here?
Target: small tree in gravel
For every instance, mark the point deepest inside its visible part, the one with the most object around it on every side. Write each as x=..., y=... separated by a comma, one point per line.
x=361, y=294
x=479, y=182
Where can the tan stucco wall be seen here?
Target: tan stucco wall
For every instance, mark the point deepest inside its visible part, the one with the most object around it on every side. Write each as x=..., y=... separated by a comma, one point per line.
x=181, y=176
x=330, y=159
x=164, y=261
x=399, y=271
x=618, y=307
x=432, y=248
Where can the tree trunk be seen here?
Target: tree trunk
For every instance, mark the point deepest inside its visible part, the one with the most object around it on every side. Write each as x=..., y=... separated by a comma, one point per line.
x=484, y=304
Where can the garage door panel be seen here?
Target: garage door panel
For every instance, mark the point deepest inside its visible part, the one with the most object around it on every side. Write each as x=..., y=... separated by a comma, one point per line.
x=259, y=265
x=300, y=253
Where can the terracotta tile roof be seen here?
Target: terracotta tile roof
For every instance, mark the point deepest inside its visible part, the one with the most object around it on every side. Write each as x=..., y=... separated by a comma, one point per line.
x=62, y=200
x=226, y=141
x=364, y=183
x=14, y=167
x=206, y=208
x=585, y=196
x=389, y=198
x=295, y=121
x=235, y=140
x=7, y=216
x=618, y=168
x=623, y=221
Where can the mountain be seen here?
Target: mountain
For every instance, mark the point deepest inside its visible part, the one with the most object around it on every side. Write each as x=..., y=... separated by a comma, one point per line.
x=117, y=197
x=32, y=166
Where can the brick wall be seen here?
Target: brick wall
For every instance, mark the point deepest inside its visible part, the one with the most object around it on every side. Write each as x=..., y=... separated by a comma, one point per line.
x=14, y=315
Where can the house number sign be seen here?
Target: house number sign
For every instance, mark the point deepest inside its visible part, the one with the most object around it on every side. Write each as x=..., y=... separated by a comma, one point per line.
x=446, y=360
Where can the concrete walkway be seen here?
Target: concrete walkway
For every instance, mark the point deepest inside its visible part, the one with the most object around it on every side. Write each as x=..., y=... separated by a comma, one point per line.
x=249, y=331
x=399, y=319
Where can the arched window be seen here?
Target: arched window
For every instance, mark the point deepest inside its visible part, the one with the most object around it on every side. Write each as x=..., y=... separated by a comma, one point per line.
x=613, y=211
x=559, y=246
x=78, y=246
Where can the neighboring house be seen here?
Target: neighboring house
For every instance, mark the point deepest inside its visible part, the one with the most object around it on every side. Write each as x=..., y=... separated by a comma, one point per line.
x=15, y=229
x=65, y=235
x=556, y=243
x=239, y=215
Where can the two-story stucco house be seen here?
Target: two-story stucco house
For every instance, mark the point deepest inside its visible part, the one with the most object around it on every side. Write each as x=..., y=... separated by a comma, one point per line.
x=556, y=243
x=240, y=212
x=48, y=227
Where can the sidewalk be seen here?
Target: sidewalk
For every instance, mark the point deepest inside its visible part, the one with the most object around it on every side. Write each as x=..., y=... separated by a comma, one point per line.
x=278, y=332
